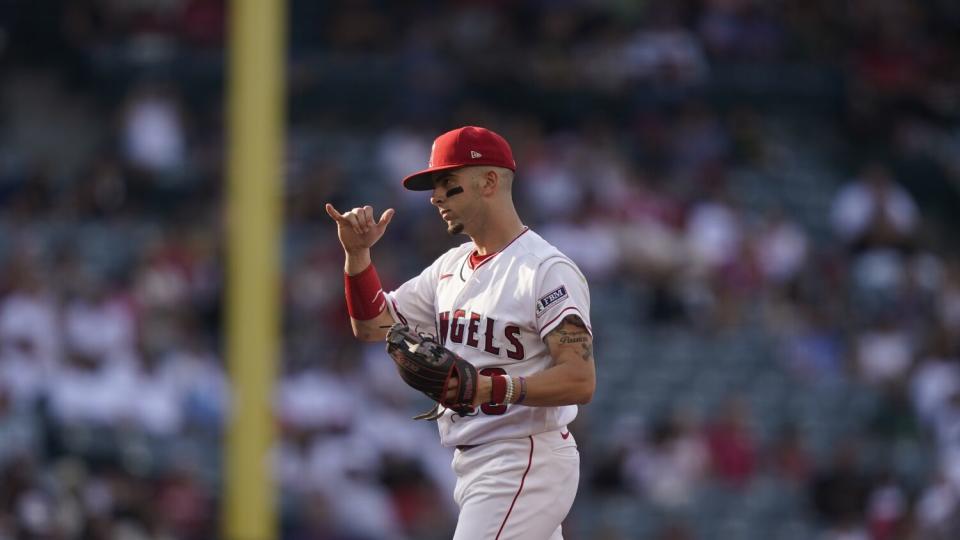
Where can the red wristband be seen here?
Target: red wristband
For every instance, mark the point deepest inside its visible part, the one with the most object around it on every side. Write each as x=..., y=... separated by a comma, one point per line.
x=364, y=294
x=498, y=390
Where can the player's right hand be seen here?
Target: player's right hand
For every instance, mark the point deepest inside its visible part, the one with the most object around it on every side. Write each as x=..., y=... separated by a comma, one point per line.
x=356, y=229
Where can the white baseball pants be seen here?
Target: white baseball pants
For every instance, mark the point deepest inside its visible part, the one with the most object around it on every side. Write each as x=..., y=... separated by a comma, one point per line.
x=516, y=488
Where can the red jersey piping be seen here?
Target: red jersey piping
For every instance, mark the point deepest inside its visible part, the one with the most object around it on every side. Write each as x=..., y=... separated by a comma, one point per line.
x=488, y=256
x=522, y=480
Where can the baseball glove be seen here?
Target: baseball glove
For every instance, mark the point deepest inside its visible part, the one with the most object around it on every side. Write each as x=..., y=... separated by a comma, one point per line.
x=427, y=366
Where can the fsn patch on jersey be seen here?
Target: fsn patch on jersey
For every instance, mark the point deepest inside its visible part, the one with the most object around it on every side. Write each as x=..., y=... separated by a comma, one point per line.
x=550, y=298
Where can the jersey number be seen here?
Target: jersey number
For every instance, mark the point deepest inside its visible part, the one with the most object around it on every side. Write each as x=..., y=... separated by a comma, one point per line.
x=488, y=408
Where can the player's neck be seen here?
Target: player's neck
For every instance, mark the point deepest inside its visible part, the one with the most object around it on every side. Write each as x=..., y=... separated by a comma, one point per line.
x=497, y=233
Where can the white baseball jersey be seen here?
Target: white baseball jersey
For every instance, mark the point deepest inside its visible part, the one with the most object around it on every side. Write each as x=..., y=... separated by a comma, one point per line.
x=495, y=316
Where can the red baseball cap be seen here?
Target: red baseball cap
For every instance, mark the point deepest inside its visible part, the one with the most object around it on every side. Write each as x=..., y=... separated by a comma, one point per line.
x=463, y=147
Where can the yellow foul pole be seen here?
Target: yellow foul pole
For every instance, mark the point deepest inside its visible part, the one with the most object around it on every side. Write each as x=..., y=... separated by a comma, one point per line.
x=255, y=89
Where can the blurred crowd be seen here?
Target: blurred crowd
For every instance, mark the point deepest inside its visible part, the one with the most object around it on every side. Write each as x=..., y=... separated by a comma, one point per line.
x=785, y=169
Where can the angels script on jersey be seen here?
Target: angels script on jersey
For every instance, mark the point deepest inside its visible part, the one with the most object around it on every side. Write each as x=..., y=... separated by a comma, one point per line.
x=465, y=330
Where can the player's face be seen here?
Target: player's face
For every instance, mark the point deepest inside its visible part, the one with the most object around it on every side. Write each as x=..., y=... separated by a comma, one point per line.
x=454, y=197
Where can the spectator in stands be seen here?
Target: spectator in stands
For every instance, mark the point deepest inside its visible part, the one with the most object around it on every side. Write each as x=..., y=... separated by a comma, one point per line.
x=666, y=53
x=782, y=248
x=938, y=510
x=714, y=232
x=839, y=493
x=733, y=452
x=790, y=458
x=934, y=381
x=814, y=348
x=873, y=212
x=948, y=300
x=884, y=351
x=888, y=510
x=30, y=334
x=671, y=466
x=153, y=130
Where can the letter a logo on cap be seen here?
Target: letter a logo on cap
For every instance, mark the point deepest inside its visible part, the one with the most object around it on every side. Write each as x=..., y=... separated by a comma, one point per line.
x=474, y=154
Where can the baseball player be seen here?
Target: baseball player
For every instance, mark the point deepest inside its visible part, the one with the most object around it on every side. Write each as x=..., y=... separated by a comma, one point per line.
x=512, y=305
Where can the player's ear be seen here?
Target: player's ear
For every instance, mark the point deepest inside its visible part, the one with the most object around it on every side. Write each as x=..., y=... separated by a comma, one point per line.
x=489, y=181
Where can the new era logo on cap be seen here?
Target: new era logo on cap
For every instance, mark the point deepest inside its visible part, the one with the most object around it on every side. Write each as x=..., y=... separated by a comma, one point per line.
x=466, y=146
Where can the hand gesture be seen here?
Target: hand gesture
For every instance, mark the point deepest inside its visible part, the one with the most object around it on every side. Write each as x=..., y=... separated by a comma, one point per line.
x=356, y=229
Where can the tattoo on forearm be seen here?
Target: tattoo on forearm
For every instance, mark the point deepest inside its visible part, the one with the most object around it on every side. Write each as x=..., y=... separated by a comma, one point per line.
x=573, y=331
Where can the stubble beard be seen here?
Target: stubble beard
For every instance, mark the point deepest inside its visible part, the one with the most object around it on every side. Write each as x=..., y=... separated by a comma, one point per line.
x=454, y=229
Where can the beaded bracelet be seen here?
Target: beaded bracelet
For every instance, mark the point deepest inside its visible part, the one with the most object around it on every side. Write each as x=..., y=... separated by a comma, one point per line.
x=509, y=397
